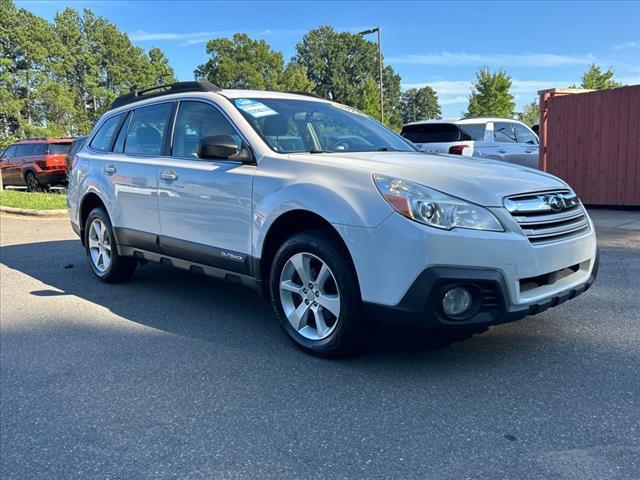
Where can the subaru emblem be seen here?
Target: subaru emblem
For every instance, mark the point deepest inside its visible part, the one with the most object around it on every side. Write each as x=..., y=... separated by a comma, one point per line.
x=556, y=202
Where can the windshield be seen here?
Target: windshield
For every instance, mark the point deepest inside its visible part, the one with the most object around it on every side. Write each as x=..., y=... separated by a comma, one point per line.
x=290, y=126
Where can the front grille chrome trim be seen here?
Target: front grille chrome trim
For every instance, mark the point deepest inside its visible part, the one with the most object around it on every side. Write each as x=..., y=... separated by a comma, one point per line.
x=548, y=216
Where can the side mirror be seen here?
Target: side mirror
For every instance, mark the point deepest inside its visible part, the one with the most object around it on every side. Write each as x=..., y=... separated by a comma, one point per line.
x=223, y=146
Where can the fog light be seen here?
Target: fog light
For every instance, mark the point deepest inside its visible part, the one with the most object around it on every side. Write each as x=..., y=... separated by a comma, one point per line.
x=456, y=301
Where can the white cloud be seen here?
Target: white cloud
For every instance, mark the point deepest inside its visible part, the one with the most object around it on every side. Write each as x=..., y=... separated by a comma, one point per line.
x=194, y=38
x=143, y=36
x=497, y=59
x=459, y=100
x=634, y=80
x=624, y=46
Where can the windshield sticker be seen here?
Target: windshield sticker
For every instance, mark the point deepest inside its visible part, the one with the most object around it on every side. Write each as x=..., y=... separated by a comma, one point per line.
x=254, y=108
x=348, y=109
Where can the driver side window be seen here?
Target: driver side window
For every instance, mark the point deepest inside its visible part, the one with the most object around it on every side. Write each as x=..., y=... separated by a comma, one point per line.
x=503, y=132
x=195, y=121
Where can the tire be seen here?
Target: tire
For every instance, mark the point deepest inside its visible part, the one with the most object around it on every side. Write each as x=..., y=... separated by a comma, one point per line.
x=333, y=326
x=102, y=253
x=33, y=185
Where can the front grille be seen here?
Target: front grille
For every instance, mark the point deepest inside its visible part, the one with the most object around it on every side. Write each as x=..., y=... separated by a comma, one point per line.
x=548, y=216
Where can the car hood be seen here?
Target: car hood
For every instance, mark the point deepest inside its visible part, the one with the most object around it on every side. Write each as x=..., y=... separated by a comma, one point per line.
x=481, y=181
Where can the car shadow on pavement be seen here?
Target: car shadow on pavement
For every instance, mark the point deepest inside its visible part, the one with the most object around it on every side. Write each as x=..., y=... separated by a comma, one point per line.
x=180, y=302
x=186, y=304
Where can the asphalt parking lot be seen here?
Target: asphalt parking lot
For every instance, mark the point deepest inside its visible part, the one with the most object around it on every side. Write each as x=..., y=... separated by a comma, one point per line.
x=175, y=376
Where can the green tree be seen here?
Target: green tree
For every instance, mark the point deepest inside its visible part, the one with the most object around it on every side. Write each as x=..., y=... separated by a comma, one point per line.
x=371, y=98
x=596, y=79
x=490, y=95
x=419, y=104
x=29, y=56
x=160, y=69
x=342, y=65
x=338, y=63
x=391, y=82
x=58, y=78
x=296, y=79
x=530, y=113
x=241, y=62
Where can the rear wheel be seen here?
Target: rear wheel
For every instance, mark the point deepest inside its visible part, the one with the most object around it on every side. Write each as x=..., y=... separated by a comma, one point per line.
x=315, y=295
x=33, y=185
x=102, y=252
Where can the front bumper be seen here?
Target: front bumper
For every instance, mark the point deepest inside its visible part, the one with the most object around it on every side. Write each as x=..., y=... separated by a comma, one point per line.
x=421, y=305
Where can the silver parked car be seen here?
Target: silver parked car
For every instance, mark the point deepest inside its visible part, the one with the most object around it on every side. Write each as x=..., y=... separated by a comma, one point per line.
x=330, y=215
x=495, y=138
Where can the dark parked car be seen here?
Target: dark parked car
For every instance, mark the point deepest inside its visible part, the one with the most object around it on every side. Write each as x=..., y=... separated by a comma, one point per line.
x=75, y=146
x=35, y=164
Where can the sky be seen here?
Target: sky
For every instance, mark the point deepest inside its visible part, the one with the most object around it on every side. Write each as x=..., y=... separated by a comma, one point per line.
x=441, y=44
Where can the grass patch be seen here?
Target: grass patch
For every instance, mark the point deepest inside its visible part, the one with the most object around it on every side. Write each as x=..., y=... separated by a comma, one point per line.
x=33, y=200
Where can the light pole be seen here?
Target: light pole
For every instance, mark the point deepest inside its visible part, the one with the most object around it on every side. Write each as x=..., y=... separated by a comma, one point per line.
x=367, y=32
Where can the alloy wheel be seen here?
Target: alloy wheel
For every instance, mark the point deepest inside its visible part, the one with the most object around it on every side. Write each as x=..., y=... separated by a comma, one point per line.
x=309, y=296
x=99, y=245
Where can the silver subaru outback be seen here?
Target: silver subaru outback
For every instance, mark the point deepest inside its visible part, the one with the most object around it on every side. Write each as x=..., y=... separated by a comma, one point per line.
x=333, y=217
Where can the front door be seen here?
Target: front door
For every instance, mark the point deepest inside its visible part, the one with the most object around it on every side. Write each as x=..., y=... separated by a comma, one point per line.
x=205, y=205
x=528, y=145
x=8, y=165
x=506, y=146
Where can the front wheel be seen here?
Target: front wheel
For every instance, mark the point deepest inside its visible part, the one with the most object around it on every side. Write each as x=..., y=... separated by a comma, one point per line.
x=102, y=252
x=315, y=295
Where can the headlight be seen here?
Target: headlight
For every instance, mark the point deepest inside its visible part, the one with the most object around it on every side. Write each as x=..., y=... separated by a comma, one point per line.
x=434, y=208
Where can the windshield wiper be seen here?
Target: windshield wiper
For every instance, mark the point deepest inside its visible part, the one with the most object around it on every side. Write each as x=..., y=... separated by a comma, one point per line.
x=321, y=151
x=386, y=149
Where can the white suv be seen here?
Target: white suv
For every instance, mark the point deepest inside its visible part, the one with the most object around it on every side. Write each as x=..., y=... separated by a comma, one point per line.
x=333, y=217
x=495, y=138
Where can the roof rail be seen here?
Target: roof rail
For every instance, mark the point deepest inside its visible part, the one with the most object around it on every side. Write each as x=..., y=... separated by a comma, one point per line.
x=308, y=94
x=169, y=88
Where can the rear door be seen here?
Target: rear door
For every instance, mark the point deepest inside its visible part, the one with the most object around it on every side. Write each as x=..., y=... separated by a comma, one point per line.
x=127, y=165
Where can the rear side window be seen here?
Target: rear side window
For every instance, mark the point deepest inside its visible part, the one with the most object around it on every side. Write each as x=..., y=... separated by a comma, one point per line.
x=147, y=129
x=432, y=133
x=525, y=135
x=472, y=131
x=24, y=150
x=503, y=132
x=59, y=148
x=118, y=147
x=104, y=137
x=39, y=149
x=77, y=144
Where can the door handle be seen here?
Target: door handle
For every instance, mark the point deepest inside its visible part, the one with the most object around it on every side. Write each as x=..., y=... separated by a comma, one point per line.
x=168, y=176
x=110, y=169
x=502, y=151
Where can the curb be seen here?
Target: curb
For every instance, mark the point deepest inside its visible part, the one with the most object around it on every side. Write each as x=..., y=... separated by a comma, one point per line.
x=35, y=213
